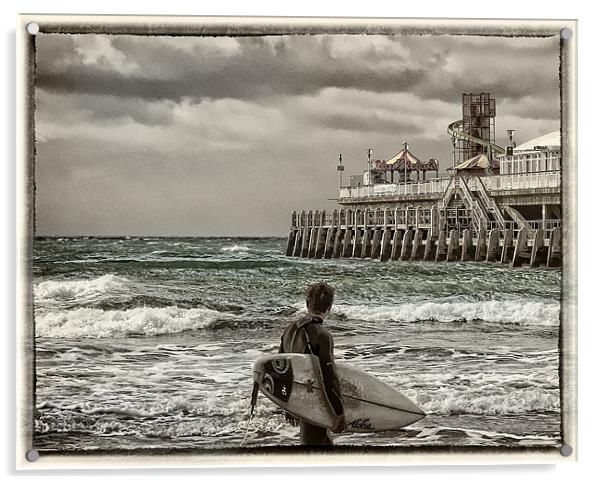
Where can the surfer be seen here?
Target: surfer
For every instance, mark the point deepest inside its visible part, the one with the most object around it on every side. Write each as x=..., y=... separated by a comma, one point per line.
x=309, y=336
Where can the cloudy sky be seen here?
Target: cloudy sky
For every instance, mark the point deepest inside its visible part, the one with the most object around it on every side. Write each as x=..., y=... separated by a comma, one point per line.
x=226, y=136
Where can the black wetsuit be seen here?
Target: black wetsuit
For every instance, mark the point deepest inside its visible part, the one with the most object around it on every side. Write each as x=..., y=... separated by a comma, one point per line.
x=295, y=340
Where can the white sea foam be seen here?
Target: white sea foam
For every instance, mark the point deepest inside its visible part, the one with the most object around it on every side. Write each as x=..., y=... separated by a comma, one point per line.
x=98, y=323
x=53, y=290
x=512, y=403
x=517, y=312
x=235, y=248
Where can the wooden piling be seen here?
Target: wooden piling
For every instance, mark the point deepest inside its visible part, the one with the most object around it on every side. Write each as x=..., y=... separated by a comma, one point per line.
x=453, y=247
x=429, y=247
x=385, y=246
x=347, y=248
x=365, y=244
x=493, y=245
x=554, y=248
x=406, y=245
x=313, y=235
x=375, y=244
x=538, y=252
x=290, y=243
x=441, y=253
x=468, y=249
x=417, y=247
x=305, y=241
x=480, y=250
x=320, y=243
x=337, y=244
x=396, y=247
x=520, y=249
x=297, y=247
x=330, y=240
x=357, y=242
x=507, y=246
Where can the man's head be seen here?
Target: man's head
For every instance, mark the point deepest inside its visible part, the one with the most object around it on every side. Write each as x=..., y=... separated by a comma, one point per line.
x=319, y=298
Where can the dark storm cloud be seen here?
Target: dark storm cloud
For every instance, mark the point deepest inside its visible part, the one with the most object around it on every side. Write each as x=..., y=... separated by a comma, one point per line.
x=258, y=68
x=226, y=136
x=245, y=68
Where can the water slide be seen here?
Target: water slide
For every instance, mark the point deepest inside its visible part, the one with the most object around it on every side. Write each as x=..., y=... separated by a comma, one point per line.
x=455, y=130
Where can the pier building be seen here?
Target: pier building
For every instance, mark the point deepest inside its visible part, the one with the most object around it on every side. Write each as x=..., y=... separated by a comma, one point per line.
x=494, y=203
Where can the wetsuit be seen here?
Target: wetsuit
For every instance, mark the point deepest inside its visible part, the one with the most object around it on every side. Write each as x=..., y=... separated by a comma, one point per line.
x=295, y=340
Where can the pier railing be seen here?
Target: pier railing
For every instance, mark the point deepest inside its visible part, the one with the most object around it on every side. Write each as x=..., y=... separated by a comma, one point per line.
x=428, y=187
x=523, y=181
x=418, y=217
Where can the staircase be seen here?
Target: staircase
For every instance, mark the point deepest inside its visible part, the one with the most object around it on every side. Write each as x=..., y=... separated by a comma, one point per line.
x=479, y=214
x=488, y=203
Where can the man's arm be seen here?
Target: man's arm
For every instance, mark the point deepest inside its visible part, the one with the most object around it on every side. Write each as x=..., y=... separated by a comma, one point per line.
x=332, y=386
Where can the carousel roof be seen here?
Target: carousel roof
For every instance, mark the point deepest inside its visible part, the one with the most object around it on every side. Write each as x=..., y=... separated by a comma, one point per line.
x=481, y=161
x=403, y=156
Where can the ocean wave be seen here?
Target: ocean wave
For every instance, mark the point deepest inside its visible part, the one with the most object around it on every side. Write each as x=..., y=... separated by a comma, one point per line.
x=141, y=321
x=522, y=312
x=235, y=248
x=66, y=290
x=453, y=402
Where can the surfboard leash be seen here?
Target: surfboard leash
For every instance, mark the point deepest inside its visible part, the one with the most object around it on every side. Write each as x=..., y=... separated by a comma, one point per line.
x=254, y=393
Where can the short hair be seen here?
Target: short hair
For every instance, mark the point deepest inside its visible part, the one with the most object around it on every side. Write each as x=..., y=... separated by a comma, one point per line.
x=319, y=297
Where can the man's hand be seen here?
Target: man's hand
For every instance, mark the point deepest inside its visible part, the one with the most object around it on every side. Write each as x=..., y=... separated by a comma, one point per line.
x=291, y=419
x=339, y=424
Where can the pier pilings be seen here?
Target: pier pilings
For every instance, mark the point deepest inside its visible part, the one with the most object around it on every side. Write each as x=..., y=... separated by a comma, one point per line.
x=493, y=246
x=394, y=236
x=406, y=245
x=429, y=246
x=453, y=246
x=480, y=251
x=521, y=253
x=375, y=244
x=468, y=249
x=397, y=242
x=330, y=240
x=385, y=249
x=538, y=252
x=554, y=248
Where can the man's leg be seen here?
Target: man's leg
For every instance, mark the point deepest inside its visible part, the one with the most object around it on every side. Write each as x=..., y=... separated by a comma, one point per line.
x=312, y=435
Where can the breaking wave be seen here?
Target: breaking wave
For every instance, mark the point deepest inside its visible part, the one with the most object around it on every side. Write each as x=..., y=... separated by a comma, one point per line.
x=68, y=290
x=522, y=312
x=235, y=248
x=141, y=321
x=452, y=402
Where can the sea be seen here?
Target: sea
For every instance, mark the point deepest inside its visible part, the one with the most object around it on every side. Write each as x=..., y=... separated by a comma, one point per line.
x=148, y=343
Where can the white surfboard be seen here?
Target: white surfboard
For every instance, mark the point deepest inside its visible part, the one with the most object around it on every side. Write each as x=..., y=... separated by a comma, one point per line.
x=293, y=381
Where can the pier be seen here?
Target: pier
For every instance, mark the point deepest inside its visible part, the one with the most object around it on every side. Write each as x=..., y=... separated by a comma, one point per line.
x=410, y=235
x=497, y=204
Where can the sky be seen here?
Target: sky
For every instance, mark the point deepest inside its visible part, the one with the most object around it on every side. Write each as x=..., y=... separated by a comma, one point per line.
x=226, y=136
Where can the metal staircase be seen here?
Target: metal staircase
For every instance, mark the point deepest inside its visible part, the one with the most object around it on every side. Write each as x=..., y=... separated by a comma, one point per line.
x=479, y=215
x=489, y=203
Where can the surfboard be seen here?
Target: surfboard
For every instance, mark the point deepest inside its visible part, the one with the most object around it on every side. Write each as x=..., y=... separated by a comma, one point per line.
x=293, y=381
